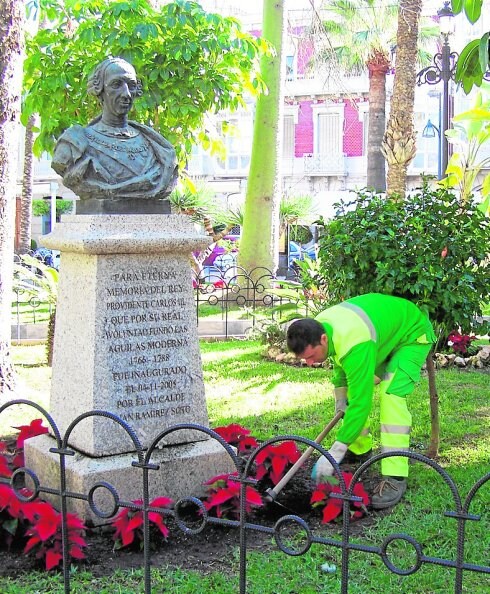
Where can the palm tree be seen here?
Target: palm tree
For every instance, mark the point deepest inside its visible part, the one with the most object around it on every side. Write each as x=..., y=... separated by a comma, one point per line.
x=362, y=35
x=27, y=187
x=11, y=36
x=399, y=140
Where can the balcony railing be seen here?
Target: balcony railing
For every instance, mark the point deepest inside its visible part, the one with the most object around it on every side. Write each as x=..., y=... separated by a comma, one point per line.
x=325, y=164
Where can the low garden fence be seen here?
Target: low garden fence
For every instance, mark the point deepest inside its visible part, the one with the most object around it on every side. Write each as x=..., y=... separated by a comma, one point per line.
x=237, y=298
x=459, y=509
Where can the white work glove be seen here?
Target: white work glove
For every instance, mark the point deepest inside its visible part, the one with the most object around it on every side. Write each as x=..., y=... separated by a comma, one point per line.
x=323, y=468
x=340, y=399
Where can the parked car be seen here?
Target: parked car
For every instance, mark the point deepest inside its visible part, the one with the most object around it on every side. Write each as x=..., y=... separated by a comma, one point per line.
x=49, y=257
x=298, y=252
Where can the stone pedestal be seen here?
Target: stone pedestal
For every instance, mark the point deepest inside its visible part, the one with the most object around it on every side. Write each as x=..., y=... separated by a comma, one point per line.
x=126, y=342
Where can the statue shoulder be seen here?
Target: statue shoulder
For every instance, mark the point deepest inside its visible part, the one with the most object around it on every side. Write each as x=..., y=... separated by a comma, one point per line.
x=75, y=135
x=151, y=134
x=70, y=147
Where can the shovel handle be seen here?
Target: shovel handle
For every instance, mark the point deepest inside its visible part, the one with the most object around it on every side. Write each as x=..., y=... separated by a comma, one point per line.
x=273, y=493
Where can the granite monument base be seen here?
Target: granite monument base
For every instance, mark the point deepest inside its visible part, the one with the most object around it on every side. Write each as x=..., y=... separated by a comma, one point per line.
x=182, y=471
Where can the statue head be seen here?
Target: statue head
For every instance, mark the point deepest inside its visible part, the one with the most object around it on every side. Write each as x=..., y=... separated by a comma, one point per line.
x=115, y=84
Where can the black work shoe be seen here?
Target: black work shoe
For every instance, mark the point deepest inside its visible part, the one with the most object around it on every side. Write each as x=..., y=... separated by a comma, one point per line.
x=388, y=492
x=351, y=458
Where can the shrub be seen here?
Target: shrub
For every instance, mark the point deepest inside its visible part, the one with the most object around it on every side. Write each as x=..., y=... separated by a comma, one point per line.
x=429, y=249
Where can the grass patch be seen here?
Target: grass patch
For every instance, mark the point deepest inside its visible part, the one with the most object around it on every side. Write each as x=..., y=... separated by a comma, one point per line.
x=273, y=399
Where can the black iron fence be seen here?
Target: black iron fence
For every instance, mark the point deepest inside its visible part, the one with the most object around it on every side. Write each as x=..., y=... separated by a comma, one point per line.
x=229, y=300
x=458, y=509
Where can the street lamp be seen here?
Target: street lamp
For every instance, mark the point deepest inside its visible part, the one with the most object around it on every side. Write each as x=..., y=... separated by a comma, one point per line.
x=443, y=68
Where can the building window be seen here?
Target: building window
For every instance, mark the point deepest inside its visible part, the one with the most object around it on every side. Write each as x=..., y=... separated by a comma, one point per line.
x=290, y=75
x=237, y=137
x=328, y=124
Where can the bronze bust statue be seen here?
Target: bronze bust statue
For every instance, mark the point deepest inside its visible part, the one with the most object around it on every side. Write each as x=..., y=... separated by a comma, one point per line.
x=115, y=165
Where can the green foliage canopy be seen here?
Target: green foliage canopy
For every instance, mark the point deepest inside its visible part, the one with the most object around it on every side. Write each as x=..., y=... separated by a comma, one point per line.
x=189, y=61
x=429, y=249
x=43, y=207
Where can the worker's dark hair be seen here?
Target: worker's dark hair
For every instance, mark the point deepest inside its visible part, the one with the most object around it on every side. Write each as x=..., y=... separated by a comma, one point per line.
x=303, y=333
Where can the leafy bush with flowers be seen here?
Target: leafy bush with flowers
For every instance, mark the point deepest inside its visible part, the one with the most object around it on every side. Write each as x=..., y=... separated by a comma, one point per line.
x=332, y=506
x=35, y=523
x=129, y=523
x=223, y=497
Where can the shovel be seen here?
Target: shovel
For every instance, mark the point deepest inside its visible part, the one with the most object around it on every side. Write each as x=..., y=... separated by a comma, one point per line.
x=271, y=494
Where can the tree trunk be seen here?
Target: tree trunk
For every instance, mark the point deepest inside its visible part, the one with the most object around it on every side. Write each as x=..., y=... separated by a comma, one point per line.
x=27, y=184
x=399, y=140
x=259, y=243
x=433, y=450
x=11, y=38
x=378, y=66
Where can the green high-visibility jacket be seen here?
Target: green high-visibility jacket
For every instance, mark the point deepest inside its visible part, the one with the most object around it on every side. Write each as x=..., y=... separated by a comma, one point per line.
x=362, y=333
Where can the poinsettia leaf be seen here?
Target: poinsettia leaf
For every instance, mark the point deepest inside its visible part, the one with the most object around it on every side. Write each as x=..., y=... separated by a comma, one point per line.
x=76, y=552
x=330, y=512
x=253, y=497
x=246, y=444
x=74, y=522
x=4, y=467
x=52, y=559
x=221, y=496
x=318, y=496
x=158, y=520
x=77, y=539
x=18, y=460
x=127, y=537
x=290, y=450
x=31, y=543
x=135, y=522
x=278, y=465
x=162, y=502
x=35, y=428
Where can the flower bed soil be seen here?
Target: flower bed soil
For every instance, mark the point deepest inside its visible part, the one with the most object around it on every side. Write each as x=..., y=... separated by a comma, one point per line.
x=207, y=551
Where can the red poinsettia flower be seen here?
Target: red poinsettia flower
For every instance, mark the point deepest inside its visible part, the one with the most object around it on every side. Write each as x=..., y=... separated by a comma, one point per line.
x=223, y=498
x=35, y=428
x=273, y=460
x=129, y=523
x=322, y=496
x=46, y=533
x=4, y=467
x=237, y=436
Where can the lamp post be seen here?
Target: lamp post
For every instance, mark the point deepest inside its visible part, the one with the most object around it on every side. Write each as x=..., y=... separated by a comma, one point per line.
x=443, y=67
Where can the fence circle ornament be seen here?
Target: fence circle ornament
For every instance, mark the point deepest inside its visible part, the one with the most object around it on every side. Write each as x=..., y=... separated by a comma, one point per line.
x=17, y=482
x=303, y=527
x=201, y=512
x=391, y=566
x=241, y=300
x=114, y=496
x=34, y=302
